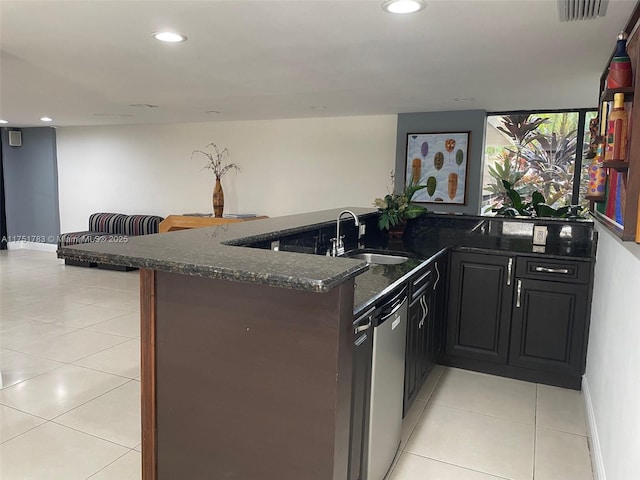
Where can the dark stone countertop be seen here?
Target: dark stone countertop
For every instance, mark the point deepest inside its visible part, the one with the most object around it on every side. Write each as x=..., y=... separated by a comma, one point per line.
x=222, y=252
x=215, y=252
x=379, y=280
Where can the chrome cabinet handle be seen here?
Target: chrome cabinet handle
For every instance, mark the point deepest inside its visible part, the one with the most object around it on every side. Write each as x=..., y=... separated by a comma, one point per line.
x=418, y=281
x=438, y=277
x=360, y=340
x=519, y=293
x=552, y=270
x=509, y=269
x=425, y=311
x=362, y=328
x=422, y=307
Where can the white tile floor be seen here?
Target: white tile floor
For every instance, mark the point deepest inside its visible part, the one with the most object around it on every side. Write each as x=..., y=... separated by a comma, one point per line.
x=471, y=426
x=70, y=408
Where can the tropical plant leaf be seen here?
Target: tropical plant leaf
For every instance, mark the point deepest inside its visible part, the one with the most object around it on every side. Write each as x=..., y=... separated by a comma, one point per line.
x=520, y=128
x=414, y=211
x=516, y=199
x=383, y=222
x=411, y=190
x=536, y=198
x=544, y=210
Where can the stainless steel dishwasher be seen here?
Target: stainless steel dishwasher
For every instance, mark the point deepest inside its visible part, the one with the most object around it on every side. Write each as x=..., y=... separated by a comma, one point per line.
x=387, y=383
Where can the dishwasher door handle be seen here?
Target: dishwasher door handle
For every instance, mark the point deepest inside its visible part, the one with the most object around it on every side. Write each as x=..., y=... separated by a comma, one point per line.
x=396, y=307
x=364, y=327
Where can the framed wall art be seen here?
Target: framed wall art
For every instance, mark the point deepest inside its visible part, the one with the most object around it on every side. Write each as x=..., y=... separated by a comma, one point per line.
x=439, y=161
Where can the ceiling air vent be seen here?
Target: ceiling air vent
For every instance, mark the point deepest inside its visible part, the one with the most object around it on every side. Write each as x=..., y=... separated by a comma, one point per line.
x=569, y=10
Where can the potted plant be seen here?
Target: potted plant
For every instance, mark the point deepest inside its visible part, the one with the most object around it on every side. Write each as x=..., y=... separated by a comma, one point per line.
x=216, y=163
x=515, y=206
x=396, y=208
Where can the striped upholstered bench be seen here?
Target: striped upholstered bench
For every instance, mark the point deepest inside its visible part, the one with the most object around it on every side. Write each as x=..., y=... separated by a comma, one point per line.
x=105, y=227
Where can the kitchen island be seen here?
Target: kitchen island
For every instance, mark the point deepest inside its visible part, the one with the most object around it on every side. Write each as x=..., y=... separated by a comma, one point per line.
x=247, y=352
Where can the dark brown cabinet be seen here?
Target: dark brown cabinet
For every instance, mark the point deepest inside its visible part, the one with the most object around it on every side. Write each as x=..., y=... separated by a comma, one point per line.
x=481, y=289
x=549, y=318
x=525, y=317
x=417, y=360
x=437, y=327
x=424, y=328
x=360, y=394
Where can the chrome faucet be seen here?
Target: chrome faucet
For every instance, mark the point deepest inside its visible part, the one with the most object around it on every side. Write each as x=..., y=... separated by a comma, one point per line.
x=337, y=246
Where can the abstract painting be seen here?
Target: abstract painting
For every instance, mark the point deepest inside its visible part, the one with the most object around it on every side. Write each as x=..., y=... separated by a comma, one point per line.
x=439, y=161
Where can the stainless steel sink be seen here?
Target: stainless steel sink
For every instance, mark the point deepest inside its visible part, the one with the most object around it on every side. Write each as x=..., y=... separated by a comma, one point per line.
x=380, y=258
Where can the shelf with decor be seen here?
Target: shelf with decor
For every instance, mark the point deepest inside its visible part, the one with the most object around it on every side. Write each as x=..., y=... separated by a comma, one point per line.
x=616, y=205
x=608, y=93
x=617, y=165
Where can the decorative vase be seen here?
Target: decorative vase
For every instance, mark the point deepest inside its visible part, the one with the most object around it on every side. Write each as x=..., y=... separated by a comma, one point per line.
x=218, y=199
x=620, y=74
x=397, y=232
x=597, y=181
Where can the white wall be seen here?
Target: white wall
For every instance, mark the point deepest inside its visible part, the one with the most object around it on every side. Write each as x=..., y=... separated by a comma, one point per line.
x=613, y=361
x=288, y=166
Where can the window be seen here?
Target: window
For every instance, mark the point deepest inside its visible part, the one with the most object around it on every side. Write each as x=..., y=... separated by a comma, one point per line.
x=537, y=151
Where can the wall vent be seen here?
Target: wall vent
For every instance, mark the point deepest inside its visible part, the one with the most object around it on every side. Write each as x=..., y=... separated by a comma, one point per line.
x=15, y=138
x=570, y=10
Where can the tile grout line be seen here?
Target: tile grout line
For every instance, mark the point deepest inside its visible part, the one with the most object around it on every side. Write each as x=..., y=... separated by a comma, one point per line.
x=111, y=463
x=90, y=434
x=73, y=364
x=125, y=340
x=484, y=414
x=426, y=404
x=458, y=466
x=128, y=380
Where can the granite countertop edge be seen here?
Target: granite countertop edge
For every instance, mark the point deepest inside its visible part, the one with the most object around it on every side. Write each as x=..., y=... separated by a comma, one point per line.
x=221, y=253
x=218, y=247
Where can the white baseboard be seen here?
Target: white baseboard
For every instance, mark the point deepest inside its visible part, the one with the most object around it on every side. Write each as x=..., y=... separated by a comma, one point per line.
x=41, y=247
x=597, y=463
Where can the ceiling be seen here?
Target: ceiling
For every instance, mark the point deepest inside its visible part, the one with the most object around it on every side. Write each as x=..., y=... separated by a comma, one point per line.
x=85, y=62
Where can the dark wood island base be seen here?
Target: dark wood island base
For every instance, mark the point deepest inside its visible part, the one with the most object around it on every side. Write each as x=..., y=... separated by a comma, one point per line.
x=244, y=381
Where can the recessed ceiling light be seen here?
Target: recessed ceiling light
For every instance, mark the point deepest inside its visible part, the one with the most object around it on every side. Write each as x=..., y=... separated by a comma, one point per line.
x=46, y=119
x=3, y=121
x=169, y=37
x=464, y=99
x=403, y=6
x=212, y=112
x=319, y=107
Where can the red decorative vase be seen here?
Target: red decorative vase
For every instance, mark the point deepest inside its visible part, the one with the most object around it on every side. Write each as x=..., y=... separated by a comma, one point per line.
x=620, y=74
x=218, y=199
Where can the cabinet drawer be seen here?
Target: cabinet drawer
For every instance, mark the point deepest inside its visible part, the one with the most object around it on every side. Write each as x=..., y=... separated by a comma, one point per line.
x=551, y=269
x=423, y=280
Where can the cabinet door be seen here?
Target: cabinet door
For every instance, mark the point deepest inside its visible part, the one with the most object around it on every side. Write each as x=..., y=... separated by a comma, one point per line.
x=425, y=362
x=480, y=294
x=548, y=326
x=415, y=336
x=438, y=312
x=360, y=394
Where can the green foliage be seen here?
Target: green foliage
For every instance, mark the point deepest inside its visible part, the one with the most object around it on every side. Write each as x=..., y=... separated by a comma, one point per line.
x=395, y=208
x=537, y=207
x=521, y=129
x=542, y=158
